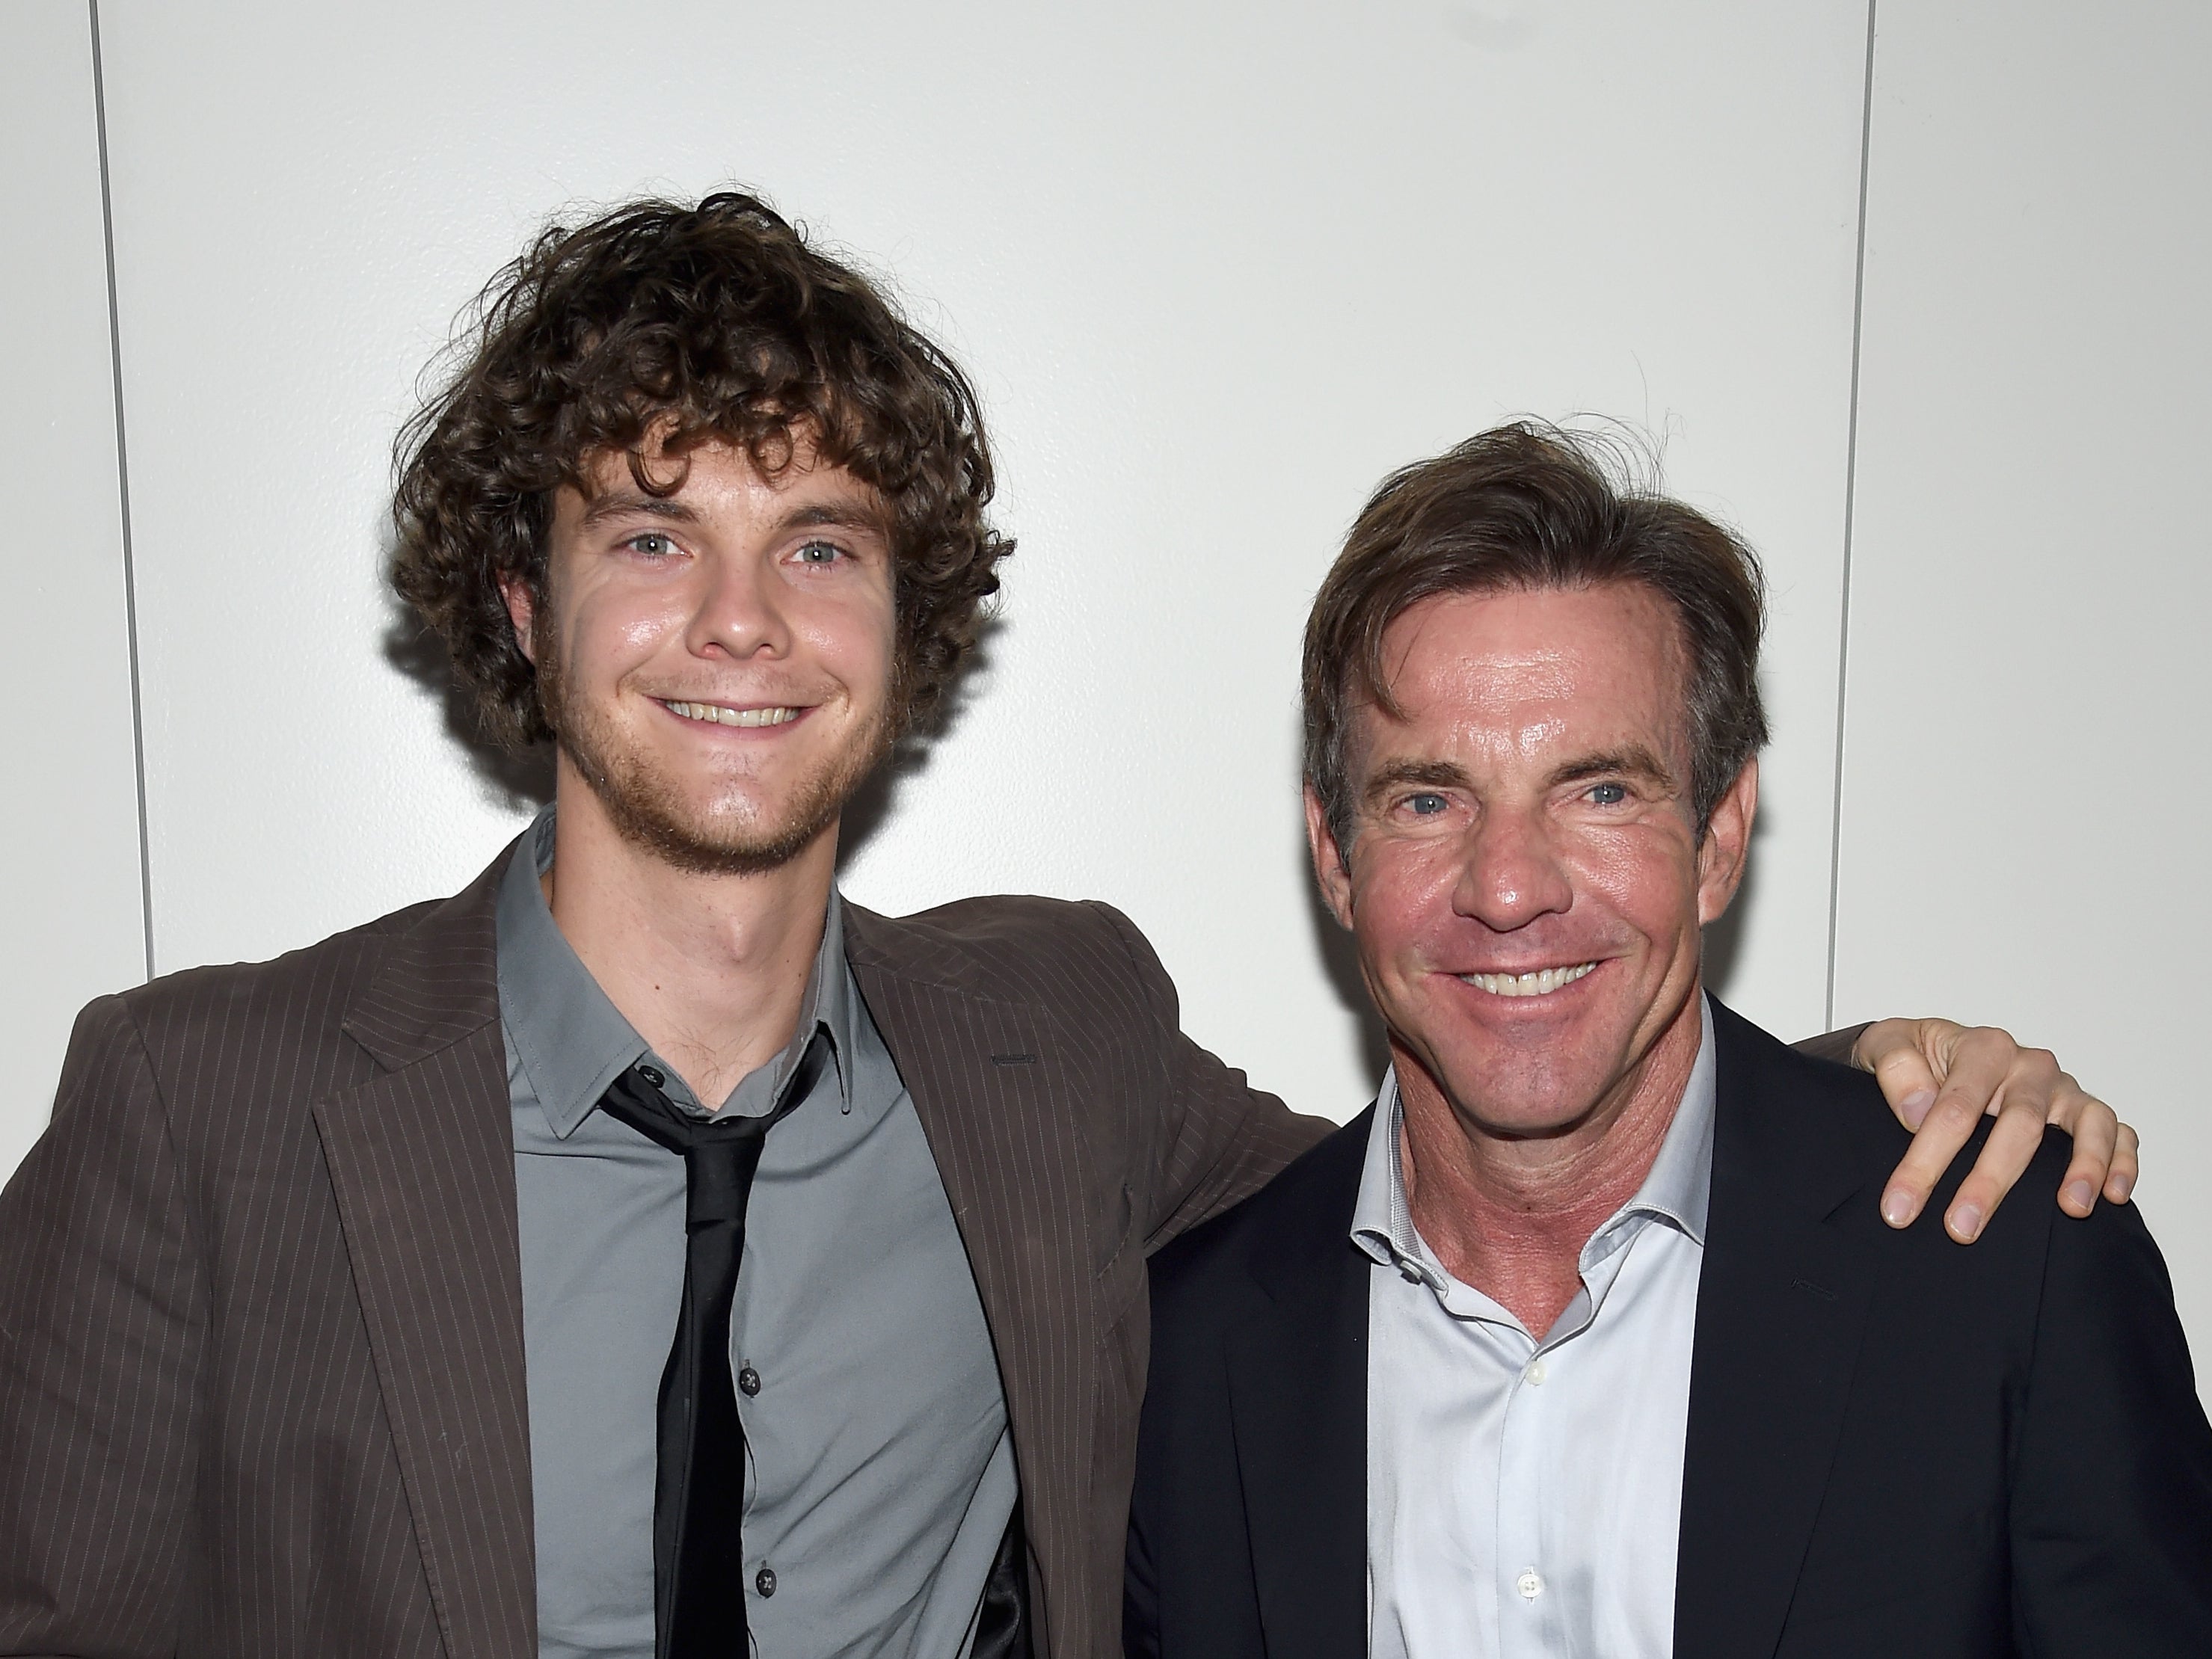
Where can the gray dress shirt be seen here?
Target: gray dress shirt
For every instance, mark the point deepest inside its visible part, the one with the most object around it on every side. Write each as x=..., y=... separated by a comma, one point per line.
x=879, y=1473
x=1525, y=1490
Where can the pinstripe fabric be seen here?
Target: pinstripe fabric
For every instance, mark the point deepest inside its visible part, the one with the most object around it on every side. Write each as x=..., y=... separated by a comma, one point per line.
x=1076, y=1129
x=261, y=1370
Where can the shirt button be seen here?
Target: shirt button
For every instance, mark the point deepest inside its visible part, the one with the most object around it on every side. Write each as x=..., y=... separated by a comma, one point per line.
x=1530, y=1585
x=749, y=1380
x=1537, y=1373
x=764, y=1581
x=652, y=1074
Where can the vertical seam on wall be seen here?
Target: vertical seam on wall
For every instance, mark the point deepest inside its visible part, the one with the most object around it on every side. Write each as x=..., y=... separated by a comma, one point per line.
x=122, y=493
x=1850, y=507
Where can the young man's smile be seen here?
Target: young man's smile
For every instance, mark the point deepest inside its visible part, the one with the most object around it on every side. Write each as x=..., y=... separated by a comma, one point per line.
x=717, y=659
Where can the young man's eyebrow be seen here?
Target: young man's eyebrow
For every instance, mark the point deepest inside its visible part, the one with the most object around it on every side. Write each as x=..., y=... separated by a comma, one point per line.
x=635, y=504
x=832, y=515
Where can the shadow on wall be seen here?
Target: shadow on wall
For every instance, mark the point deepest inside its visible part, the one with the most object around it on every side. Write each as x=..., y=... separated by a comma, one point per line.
x=870, y=806
x=522, y=780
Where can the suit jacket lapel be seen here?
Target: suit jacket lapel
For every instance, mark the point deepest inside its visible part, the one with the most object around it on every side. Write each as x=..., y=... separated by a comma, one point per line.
x=422, y=1160
x=1781, y=1308
x=1298, y=1388
x=985, y=1077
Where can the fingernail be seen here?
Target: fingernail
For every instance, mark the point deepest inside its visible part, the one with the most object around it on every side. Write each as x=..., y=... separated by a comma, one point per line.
x=1915, y=1106
x=1897, y=1206
x=1966, y=1222
x=2122, y=1186
x=2081, y=1194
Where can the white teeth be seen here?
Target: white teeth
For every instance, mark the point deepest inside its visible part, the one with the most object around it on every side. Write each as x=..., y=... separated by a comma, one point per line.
x=715, y=713
x=1542, y=983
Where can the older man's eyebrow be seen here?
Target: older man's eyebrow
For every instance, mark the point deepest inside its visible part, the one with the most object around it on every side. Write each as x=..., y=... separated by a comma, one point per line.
x=610, y=504
x=1413, y=774
x=1633, y=762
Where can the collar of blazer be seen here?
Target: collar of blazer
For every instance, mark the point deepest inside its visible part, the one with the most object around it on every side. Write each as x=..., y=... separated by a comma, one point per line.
x=985, y=1062
x=1790, y=1269
x=1783, y=1301
x=421, y=1162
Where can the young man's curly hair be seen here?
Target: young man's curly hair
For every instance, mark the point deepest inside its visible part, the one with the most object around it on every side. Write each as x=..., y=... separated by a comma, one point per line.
x=684, y=324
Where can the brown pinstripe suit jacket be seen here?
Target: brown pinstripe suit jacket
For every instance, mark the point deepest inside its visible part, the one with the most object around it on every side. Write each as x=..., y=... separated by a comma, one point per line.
x=261, y=1366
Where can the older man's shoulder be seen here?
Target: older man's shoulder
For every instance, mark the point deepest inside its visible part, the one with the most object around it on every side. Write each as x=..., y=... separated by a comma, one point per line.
x=1783, y=1107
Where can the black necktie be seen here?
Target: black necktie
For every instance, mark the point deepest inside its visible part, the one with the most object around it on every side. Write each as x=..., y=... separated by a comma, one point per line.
x=699, y=1485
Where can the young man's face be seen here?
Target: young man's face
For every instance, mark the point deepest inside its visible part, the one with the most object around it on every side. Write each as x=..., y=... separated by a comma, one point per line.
x=1527, y=881
x=717, y=663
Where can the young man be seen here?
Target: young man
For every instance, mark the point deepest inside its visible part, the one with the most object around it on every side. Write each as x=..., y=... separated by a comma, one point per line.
x=643, y=1250
x=1586, y=1339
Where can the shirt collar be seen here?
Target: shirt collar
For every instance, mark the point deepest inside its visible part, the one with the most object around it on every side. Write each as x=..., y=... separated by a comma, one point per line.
x=1678, y=1187
x=571, y=1042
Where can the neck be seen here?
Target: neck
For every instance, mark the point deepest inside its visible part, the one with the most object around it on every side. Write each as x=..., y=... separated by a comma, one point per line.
x=1510, y=1214
x=711, y=969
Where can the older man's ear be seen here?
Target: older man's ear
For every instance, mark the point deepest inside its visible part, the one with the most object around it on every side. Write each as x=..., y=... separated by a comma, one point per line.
x=1727, y=845
x=1331, y=873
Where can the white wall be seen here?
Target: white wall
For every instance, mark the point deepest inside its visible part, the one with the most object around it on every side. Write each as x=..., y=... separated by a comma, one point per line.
x=2026, y=795
x=1216, y=267
x=70, y=874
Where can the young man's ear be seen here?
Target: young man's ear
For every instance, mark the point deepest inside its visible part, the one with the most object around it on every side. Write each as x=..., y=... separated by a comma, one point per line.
x=1727, y=845
x=1331, y=872
x=522, y=611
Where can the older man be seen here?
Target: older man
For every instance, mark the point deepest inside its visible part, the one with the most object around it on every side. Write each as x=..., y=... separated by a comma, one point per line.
x=1585, y=1340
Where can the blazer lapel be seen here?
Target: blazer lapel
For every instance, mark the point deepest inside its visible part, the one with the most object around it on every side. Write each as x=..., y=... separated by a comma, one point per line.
x=1298, y=1389
x=422, y=1160
x=987, y=1082
x=1782, y=1307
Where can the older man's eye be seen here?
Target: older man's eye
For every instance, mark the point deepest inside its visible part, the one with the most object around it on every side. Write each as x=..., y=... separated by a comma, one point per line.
x=1425, y=805
x=1609, y=794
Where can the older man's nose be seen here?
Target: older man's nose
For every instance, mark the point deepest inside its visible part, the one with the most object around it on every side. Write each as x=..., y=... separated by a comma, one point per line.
x=1512, y=874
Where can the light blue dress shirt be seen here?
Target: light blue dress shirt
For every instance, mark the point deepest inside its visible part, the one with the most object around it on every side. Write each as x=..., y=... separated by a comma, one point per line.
x=1524, y=1495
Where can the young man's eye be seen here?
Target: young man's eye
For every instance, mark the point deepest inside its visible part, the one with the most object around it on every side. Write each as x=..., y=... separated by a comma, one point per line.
x=820, y=553
x=652, y=544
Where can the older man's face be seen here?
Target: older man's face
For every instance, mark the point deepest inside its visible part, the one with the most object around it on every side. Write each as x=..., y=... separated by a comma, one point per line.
x=1526, y=880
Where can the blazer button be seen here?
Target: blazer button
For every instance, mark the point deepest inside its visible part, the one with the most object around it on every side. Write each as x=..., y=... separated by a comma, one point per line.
x=764, y=1581
x=749, y=1381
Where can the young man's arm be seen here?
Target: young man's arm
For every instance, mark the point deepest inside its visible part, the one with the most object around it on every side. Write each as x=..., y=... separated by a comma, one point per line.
x=103, y=1324
x=1940, y=1077
x=1225, y=1140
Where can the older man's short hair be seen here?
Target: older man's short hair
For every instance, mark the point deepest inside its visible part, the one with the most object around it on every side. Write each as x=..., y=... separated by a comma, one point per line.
x=1524, y=508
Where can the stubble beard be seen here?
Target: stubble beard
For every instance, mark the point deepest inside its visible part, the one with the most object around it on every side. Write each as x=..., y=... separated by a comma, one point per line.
x=648, y=810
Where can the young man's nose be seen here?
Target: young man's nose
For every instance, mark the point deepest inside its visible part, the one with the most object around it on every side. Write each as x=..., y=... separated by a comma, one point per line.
x=1510, y=873
x=739, y=610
